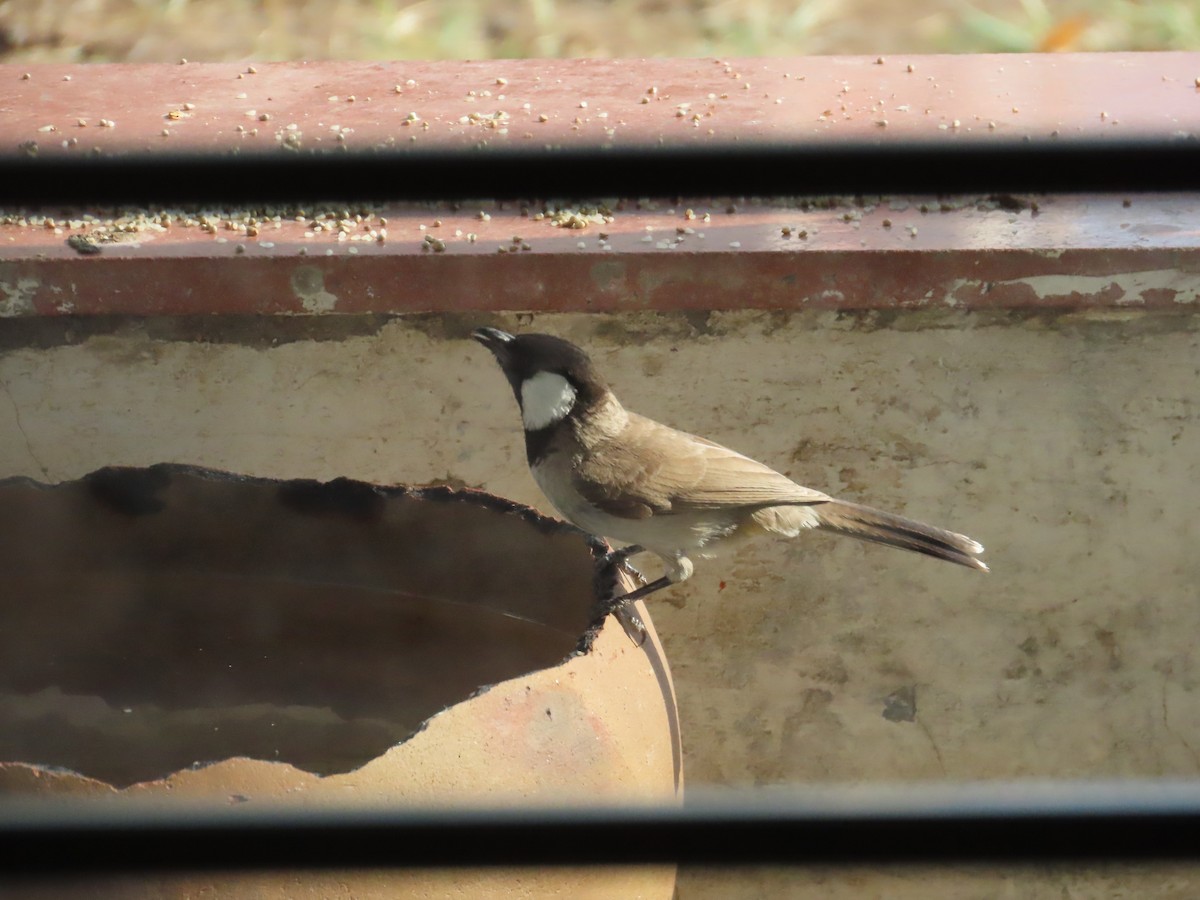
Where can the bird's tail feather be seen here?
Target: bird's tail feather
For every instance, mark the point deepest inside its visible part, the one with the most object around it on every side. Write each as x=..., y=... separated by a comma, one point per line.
x=880, y=527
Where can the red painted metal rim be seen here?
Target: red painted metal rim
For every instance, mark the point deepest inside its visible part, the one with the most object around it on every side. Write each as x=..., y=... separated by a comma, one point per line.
x=1083, y=251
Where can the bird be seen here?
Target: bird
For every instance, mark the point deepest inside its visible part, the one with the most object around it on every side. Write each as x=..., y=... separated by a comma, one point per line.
x=621, y=476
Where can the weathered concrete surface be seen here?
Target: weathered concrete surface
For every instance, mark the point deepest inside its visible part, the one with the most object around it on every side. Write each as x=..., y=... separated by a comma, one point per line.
x=1069, y=445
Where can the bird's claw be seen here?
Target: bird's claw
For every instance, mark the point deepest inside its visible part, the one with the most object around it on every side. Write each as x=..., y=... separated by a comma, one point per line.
x=631, y=622
x=619, y=559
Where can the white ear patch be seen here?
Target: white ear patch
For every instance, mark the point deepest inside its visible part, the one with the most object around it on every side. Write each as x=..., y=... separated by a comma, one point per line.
x=545, y=399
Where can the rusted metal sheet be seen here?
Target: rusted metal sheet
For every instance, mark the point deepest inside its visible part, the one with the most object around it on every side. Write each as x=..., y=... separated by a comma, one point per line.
x=56, y=109
x=693, y=254
x=1141, y=252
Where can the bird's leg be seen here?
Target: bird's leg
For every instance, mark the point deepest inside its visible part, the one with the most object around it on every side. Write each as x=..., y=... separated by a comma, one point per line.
x=644, y=591
x=620, y=556
x=679, y=568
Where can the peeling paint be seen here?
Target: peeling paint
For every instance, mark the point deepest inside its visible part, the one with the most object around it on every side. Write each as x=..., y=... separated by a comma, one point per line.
x=1154, y=286
x=308, y=284
x=831, y=297
x=16, y=297
x=1130, y=285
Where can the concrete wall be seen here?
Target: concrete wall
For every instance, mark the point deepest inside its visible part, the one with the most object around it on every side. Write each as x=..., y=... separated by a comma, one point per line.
x=1069, y=445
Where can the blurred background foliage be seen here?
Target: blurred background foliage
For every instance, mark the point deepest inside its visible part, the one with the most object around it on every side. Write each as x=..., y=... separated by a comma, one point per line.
x=211, y=30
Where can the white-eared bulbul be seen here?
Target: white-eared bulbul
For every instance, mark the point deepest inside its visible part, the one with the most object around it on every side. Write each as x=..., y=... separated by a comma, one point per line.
x=622, y=476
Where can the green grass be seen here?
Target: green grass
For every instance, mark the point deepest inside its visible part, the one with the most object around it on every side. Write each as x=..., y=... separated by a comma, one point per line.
x=166, y=30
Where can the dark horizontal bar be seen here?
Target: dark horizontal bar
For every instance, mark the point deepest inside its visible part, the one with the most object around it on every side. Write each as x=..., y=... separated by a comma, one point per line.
x=920, y=824
x=730, y=170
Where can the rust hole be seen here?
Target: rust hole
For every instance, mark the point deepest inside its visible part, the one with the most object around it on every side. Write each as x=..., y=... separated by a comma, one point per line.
x=155, y=619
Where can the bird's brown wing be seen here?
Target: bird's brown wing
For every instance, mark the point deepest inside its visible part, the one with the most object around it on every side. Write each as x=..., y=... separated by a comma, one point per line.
x=650, y=469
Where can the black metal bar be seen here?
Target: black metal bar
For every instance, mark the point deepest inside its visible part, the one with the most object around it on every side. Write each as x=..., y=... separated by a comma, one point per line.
x=921, y=824
x=743, y=169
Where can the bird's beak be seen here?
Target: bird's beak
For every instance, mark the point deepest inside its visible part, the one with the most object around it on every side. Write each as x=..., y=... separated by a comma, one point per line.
x=492, y=338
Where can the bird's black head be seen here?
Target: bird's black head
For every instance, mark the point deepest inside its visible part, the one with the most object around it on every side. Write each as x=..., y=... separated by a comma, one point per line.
x=549, y=376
